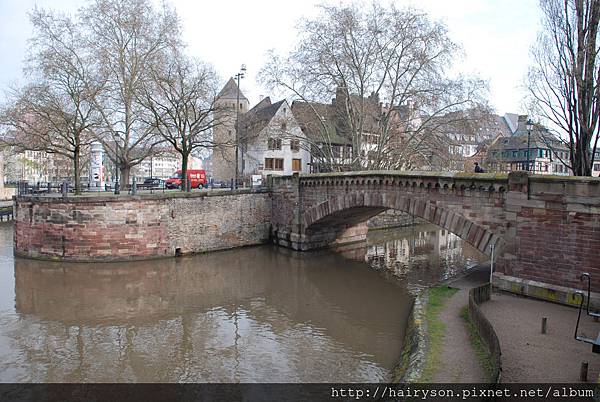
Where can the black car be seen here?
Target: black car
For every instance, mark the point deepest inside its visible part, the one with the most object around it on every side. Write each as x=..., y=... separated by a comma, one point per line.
x=153, y=183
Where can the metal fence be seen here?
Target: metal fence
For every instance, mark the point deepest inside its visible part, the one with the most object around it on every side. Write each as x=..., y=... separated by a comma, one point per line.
x=65, y=188
x=6, y=214
x=26, y=188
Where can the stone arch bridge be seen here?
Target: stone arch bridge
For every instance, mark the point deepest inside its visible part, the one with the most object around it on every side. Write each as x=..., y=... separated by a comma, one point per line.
x=543, y=228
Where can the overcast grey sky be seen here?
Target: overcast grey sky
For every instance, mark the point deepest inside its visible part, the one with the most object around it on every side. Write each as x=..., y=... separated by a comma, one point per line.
x=496, y=36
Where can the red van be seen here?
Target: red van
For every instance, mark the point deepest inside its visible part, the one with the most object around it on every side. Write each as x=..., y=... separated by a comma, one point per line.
x=197, y=179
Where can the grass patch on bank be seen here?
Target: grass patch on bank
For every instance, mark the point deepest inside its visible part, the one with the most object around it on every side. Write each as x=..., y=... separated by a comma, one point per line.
x=481, y=350
x=436, y=329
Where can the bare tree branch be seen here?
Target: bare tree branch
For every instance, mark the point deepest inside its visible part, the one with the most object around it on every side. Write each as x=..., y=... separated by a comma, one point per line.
x=563, y=83
x=387, y=68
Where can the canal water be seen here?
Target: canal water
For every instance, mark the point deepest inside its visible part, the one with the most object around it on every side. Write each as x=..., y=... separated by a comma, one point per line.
x=256, y=314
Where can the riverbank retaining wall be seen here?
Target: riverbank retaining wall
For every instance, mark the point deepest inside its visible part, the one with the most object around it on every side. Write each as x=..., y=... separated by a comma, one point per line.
x=109, y=228
x=477, y=296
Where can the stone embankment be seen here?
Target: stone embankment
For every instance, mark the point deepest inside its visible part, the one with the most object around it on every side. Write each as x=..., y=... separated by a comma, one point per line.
x=109, y=228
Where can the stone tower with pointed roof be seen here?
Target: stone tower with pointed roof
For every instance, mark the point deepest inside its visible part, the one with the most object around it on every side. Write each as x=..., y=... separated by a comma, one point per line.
x=223, y=159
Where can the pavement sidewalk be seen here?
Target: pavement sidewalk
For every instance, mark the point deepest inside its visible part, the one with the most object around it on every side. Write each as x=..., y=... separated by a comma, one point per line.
x=459, y=361
x=528, y=356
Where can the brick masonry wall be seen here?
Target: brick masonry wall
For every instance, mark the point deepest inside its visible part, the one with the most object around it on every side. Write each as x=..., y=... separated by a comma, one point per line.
x=554, y=233
x=137, y=227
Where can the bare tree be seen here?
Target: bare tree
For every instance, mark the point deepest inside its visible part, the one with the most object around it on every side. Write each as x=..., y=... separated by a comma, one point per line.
x=54, y=112
x=453, y=137
x=564, y=80
x=370, y=58
x=129, y=38
x=182, y=105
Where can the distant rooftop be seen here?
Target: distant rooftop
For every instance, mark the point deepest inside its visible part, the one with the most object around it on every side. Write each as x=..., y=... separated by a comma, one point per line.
x=512, y=120
x=230, y=91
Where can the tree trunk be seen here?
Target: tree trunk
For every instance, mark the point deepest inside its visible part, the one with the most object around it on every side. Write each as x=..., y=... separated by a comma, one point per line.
x=76, y=169
x=184, y=163
x=582, y=161
x=124, y=173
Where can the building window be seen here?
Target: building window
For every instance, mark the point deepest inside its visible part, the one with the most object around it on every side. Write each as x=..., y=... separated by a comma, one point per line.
x=283, y=126
x=273, y=163
x=274, y=143
x=296, y=165
x=596, y=167
x=295, y=145
x=336, y=150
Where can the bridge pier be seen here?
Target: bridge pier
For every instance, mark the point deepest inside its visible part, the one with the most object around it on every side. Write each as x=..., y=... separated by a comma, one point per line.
x=322, y=238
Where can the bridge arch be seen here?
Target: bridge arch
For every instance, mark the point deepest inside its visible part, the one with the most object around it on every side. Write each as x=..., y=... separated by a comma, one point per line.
x=323, y=223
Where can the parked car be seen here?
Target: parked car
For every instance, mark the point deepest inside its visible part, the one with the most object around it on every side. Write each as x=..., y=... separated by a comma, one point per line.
x=197, y=179
x=220, y=184
x=153, y=182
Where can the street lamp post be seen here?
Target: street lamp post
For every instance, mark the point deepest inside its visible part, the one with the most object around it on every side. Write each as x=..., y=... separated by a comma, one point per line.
x=529, y=128
x=238, y=76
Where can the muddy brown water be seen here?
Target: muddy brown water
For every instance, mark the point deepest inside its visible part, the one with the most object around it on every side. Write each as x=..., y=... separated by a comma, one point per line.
x=257, y=314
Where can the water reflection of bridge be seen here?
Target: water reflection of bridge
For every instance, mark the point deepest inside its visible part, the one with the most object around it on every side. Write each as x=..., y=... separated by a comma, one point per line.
x=411, y=250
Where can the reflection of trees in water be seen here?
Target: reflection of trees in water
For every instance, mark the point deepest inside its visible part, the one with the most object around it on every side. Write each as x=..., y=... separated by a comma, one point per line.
x=251, y=314
x=422, y=254
x=6, y=240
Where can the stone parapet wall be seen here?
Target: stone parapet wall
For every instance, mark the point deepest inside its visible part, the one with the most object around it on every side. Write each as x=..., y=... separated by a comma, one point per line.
x=485, y=328
x=110, y=228
x=554, y=230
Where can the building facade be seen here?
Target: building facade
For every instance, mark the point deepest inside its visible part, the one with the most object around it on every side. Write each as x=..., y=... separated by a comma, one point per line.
x=327, y=128
x=272, y=141
x=230, y=103
x=536, y=150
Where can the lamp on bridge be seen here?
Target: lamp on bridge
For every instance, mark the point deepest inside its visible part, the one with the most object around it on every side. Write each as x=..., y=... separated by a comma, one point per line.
x=238, y=76
x=529, y=128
